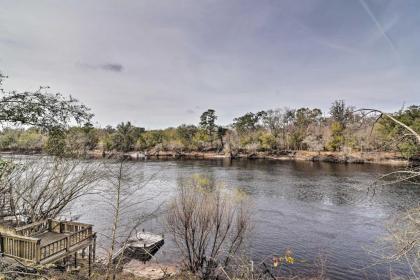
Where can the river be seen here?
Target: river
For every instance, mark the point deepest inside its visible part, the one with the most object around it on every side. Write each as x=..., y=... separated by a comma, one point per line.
x=314, y=209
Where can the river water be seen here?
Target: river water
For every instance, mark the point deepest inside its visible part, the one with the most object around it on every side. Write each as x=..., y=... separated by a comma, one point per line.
x=317, y=210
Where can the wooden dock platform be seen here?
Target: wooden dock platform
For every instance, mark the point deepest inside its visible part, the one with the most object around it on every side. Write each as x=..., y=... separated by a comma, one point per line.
x=48, y=241
x=141, y=248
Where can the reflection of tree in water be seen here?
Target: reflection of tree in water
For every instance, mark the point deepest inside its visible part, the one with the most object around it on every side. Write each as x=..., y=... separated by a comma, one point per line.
x=206, y=178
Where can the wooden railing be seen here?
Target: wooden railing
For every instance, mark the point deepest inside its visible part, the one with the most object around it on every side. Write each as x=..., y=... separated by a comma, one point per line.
x=26, y=248
x=69, y=227
x=53, y=248
x=50, y=225
x=80, y=236
x=65, y=243
x=21, y=247
x=34, y=228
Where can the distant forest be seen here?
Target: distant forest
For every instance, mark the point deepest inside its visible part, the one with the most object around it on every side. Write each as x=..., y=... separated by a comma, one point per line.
x=272, y=131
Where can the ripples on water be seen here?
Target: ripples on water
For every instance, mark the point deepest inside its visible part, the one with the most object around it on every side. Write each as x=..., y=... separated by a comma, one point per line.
x=310, y=208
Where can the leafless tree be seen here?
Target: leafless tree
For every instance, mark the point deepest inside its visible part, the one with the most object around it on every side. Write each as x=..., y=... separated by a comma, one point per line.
x=6, y=167
x=208, y=224
x=405, y=234
x=278, y=121
x=127, y=202
x=42, y=188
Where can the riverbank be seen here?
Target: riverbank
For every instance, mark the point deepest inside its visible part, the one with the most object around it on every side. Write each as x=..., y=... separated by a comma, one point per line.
x=386, y=158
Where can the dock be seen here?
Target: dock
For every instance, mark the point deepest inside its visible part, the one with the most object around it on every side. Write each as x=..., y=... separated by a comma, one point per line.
x=141, y=248
x=48, y=241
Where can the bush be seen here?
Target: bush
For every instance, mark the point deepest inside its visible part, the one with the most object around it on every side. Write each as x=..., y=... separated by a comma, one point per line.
x=149, y=140
x=267, y=141
x=337, y=138
x=208, y=223
x=32, y=140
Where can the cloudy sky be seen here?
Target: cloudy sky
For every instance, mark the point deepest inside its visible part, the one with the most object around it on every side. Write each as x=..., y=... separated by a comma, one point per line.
x=160, y=63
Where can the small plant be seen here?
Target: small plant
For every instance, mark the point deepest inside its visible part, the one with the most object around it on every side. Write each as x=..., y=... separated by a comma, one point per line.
x=287, y=258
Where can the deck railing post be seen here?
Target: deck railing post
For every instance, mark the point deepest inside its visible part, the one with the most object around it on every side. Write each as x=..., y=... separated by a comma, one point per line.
x=67, y=243
x=90, y=259
x=38, y=252
x=1, y=245
x=94, y=246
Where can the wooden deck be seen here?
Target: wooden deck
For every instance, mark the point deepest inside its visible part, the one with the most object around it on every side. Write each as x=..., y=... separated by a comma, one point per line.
x=47, y=241
x=50, y=237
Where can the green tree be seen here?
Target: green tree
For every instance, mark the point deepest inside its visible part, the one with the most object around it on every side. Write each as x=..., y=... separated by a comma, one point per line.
x=248, y=122
x=221, y=132
x=81, y=139
x=208, y=123
x=341, y=113
x=126, y=136
x=303, y=118
x=337, y=138
x=41, y=108
x=50, y=112
x=341, y=116
x=200, y=139
x=185, y=134
x=32, y=140
x=91, y=137
x=273, y=120
x=392, y=132
x=105, y=138
x=56, y=143
x=267, y=141
x=150, y=139
x=9, y=138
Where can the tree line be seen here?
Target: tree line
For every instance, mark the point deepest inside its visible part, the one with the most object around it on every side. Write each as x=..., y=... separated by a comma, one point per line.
x=273, y=131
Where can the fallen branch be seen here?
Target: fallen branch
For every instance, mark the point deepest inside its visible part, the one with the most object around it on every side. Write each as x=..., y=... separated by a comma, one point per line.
x=369, y=111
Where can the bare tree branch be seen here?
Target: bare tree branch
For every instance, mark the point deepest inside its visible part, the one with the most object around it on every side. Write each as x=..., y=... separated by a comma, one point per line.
x=412, y=131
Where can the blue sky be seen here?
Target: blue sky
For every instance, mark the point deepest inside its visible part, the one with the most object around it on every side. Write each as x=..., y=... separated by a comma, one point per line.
x=161, y=63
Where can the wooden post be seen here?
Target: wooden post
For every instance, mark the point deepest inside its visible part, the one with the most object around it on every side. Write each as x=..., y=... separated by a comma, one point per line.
x=65, y=263
x=38, y=252
x=90, y=260
x=68, y=262
x=67, y=243
x=75, y=259
x=1, y=245
x=94, y=247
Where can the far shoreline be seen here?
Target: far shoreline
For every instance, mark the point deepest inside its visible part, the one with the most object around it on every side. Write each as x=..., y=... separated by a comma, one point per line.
x=382, y=158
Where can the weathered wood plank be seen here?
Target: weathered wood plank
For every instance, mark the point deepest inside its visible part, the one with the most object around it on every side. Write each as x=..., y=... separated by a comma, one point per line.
x=46, y=241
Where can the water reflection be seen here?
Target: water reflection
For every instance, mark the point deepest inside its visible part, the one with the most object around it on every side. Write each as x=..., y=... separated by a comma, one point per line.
x=306, y=206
